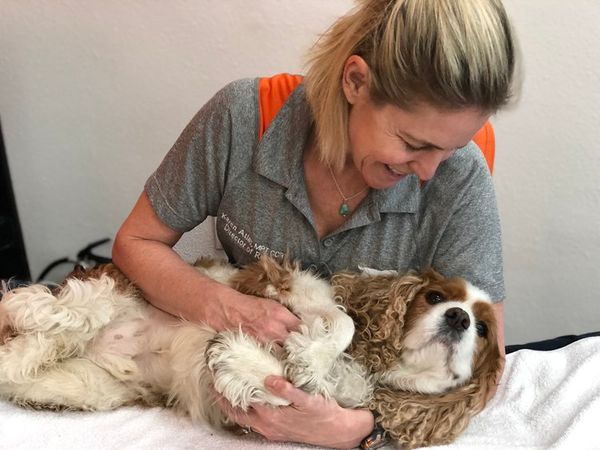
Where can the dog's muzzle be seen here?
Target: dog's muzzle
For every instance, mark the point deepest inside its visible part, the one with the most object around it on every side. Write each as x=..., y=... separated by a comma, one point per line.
x=456, y=322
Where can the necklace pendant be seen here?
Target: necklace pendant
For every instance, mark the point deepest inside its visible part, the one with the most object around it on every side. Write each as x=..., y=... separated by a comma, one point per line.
x=344, y=209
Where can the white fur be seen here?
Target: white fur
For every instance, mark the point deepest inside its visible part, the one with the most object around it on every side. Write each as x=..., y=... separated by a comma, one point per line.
x=430, y=365
x=369, y=271
x=90, y=347
x=313, y=352
x=239, y=366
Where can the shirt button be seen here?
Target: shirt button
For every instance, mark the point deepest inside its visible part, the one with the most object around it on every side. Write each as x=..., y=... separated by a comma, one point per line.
x=327, y=242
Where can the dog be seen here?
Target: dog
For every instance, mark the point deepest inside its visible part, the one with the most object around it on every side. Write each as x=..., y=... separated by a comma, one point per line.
x=419, y=349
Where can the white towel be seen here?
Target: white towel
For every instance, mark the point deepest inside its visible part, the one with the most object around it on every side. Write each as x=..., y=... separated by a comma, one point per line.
x=546, y=400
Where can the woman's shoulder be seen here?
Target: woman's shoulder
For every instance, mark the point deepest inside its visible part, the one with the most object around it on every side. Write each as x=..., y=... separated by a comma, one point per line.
x=461, y=177
x=237, y=96
x=467, y=159
x=231, y=112
x=466, y=165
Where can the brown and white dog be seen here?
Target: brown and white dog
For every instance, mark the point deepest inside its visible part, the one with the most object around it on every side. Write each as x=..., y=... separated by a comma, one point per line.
x=418, y=348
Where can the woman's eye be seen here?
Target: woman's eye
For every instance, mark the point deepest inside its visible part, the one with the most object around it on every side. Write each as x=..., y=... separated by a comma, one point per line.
x=433, y=298
x=482, y=329
x=412, y=148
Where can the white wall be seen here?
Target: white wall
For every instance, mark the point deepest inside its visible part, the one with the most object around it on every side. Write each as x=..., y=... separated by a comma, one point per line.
x=93, y=93
x=548, y=167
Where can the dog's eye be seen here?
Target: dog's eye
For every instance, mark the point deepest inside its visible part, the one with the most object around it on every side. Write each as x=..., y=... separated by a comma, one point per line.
x=482, y=329
x=433, y=298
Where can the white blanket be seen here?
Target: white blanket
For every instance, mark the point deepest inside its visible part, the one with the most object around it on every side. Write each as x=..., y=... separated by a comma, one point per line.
x=546, y=400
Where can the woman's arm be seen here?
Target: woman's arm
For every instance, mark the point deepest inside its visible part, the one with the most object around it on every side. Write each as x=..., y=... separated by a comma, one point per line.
x=143, y=251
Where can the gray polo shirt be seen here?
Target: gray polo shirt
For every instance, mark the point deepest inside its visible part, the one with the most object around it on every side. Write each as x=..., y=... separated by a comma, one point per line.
x=257, y=192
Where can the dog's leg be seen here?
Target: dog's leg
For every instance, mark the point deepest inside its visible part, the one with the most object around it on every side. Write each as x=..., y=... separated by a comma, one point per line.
x=174, y=362
x=316, y=361
x=73, y=384
x=41, y=329
x=354, y=384
x=326, y=331
x=22, y=357
x=314, y=350
x=82, y=306
x=239, y=366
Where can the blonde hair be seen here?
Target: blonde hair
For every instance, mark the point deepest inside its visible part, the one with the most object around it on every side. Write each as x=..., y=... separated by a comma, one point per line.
x=448, y=53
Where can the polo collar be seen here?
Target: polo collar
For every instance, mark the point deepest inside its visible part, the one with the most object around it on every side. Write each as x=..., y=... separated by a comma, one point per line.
x=279, y=153
x=279, y=157
x=403, y=197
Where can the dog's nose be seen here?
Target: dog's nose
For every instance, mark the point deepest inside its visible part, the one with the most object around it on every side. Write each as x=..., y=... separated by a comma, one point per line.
x=457, y=319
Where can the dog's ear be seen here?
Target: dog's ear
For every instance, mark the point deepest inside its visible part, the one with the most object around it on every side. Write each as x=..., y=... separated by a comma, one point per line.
x=417, y=420
x=420, y=420
x=488, y=360
x=432, y=275
x=378, y=306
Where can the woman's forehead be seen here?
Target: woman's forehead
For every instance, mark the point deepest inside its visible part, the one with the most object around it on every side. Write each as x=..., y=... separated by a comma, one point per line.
x=437, y=127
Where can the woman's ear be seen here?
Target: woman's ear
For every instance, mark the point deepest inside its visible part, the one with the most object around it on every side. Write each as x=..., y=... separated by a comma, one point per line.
x=356, y=79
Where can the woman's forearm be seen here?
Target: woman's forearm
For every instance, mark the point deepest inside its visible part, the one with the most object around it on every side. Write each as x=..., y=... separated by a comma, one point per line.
x=143, y=251
x=168, y=282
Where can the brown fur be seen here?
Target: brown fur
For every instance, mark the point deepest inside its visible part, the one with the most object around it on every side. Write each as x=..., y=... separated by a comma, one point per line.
x=417, y=420
x=122, y=283
x=254, y=279
x=383, y=310
x=378, y=306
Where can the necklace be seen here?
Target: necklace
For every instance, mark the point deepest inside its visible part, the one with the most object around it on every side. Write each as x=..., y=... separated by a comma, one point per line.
x=344, y=207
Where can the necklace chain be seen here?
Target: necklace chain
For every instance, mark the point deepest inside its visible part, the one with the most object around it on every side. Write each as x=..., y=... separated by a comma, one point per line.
x=344, y=209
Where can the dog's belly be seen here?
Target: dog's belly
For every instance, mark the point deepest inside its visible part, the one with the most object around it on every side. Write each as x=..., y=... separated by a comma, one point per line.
x=121, y=339
x=127, y=337
x=132, y=348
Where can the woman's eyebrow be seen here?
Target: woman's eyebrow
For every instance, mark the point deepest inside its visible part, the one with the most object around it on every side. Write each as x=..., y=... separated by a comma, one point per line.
x=424, y=144
x=420, y=143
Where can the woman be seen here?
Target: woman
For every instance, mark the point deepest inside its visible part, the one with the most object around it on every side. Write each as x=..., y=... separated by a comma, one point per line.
x=368, y=163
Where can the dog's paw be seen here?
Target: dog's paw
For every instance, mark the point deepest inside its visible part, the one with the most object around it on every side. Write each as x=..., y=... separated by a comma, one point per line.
x=239, y=366
x=354, y=388
x=311, y=355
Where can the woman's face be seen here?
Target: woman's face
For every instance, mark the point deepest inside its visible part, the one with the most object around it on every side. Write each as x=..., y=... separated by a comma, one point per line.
x=388, y=143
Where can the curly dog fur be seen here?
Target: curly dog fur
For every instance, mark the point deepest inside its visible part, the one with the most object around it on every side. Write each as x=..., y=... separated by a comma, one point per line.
x=419, y=349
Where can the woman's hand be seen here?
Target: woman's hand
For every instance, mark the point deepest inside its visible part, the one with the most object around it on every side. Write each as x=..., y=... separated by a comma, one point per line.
x=143, y=251
x=265, y=319
x=310, y=419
